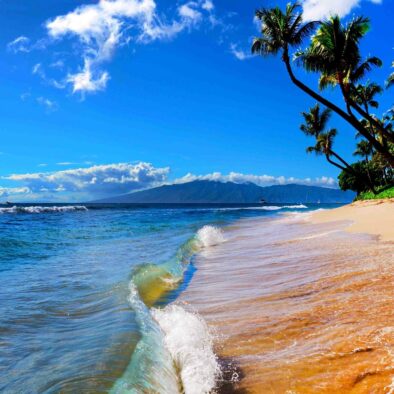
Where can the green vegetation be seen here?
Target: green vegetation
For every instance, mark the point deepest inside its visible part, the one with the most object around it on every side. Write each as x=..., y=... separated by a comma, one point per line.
x=385, y=193
x=334, y=55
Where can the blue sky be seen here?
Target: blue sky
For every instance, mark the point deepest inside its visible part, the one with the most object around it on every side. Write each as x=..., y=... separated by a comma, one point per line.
x=101, y=98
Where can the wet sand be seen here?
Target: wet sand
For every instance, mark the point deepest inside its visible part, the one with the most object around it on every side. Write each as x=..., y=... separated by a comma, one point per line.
x=300, y=306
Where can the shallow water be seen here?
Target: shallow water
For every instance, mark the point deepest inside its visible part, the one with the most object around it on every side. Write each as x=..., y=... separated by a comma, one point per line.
x=78, y=288
x=299, y=308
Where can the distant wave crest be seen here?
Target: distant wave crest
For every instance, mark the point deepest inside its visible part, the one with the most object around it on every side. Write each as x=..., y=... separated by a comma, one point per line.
x=43, y=209
x=264, y=208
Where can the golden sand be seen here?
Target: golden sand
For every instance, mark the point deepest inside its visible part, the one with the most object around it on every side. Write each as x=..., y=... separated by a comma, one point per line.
x=371, y=216
x=303, y=307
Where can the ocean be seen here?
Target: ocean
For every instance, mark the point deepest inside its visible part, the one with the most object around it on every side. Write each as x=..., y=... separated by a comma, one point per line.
x=88, y=291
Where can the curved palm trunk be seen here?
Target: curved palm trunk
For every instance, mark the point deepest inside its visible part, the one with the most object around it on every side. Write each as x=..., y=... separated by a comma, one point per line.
x=347, y=165
x=336, y=164
x=350, y=119
x=389, y=136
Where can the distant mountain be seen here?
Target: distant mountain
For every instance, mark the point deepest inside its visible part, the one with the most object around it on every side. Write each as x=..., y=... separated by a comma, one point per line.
x=229, y=192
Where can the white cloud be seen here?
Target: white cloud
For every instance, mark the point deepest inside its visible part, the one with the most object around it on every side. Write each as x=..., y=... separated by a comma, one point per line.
x=24, y=96
x=88, y=80
x=38, y=70
x=320, y=9
x=57, y=64
x=261, y=180
x=99, y=180
x=10, y=191
x=20, y=44
x=208, y=5
x=102, y=27
x=240, y=54
x=190, y=11
x=48, y=104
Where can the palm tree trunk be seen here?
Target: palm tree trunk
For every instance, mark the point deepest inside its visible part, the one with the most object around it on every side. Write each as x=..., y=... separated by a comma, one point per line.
x=336, y=164
x=350, y=103
x=342, y=161
x=366, y=115
x=369, y=174
x=352, y=120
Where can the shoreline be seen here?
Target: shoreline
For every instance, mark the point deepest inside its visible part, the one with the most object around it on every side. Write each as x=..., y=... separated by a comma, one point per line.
x=375, y=217
x=290, y=301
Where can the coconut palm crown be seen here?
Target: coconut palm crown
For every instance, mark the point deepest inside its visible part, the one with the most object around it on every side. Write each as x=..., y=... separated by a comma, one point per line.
x=315, y=120
x=334, y=52
x=281, y=30
x=324, y=143
x=365, y=94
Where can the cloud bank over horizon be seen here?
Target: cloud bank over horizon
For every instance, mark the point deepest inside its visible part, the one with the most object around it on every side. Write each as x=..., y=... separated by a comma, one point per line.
x=100, y=181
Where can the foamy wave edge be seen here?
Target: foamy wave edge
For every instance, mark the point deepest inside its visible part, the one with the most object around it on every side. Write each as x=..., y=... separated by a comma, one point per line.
x=264, y=208
x=209, y=236
x=176, y=350
x=190, y=344
x=43, y=209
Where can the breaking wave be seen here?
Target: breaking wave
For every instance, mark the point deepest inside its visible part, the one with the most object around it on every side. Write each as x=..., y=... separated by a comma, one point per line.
x=187, y=338
x=43, y=209
x=175, y=353
x=210, y=236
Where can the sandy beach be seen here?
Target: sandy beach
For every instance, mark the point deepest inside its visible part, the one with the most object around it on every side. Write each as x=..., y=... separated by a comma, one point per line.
x=303, y=304
x=371, y=216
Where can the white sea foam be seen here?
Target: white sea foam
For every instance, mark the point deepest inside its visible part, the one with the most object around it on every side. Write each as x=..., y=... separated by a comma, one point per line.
x=277, y=208
x=210, y=236
x=264, y=208
x=43, y=209
x=187, y=338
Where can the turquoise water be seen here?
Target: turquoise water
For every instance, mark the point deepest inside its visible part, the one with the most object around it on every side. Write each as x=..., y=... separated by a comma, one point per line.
x=78, y=287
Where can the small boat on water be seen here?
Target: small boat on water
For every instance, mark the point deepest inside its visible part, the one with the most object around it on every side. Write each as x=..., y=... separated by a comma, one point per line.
x=9, y=203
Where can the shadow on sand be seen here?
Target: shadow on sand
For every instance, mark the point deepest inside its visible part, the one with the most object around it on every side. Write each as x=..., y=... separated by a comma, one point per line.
x=232, y=374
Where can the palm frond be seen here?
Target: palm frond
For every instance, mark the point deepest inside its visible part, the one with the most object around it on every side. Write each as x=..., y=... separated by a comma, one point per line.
x=361, y=69
x=390, y=79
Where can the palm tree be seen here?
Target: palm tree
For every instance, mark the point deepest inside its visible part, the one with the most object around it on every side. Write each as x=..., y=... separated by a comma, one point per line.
x=334, y=53
x=281, y=31
x=364, y=95
x=315, y=120
x=364, y=150
x=390, y=79
x=315, y=124
x=323, y=146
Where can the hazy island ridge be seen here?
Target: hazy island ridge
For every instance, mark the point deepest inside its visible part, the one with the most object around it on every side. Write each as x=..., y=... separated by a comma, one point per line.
x=205, y=191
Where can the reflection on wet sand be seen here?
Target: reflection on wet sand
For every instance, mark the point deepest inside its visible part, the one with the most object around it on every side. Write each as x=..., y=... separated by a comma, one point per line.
x=300, y=307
